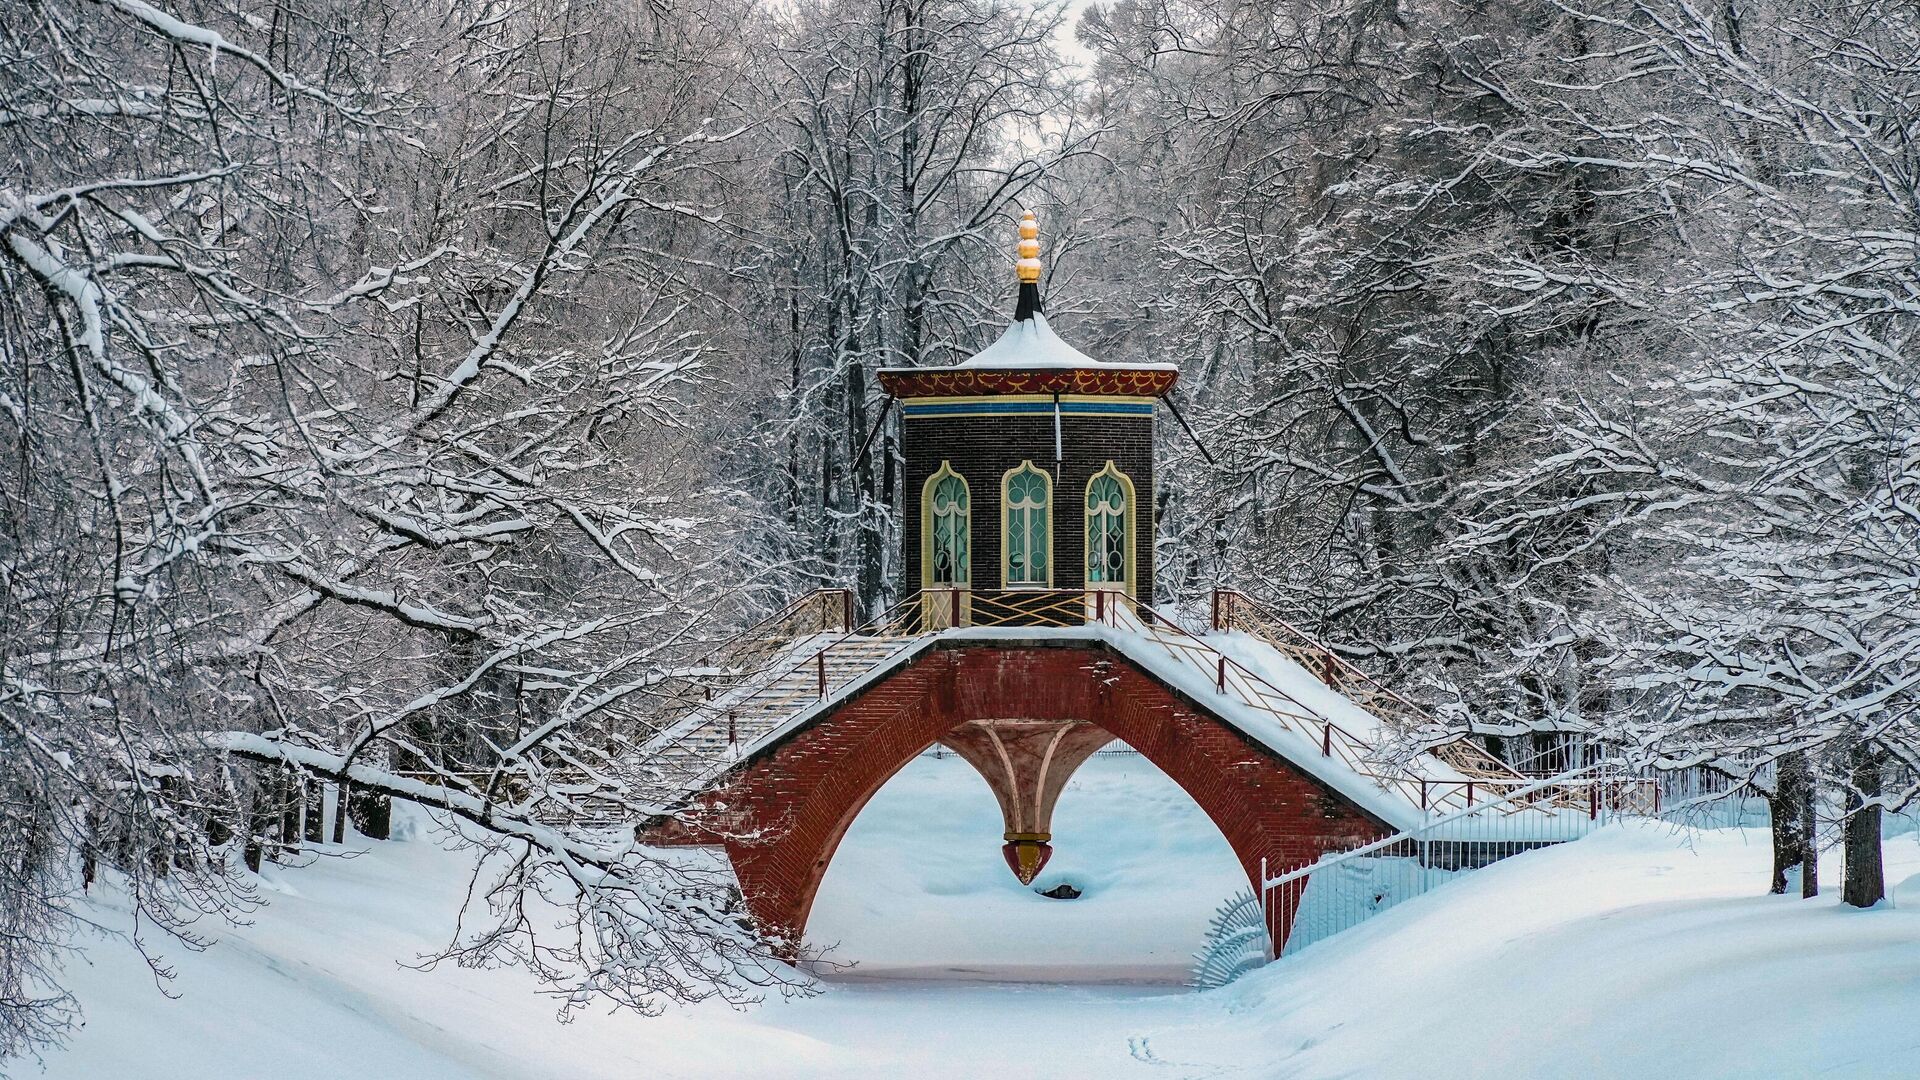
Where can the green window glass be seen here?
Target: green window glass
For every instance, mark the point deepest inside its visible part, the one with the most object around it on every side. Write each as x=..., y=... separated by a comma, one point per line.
x=952, y=523
x=1107, y=513
x=1028, y=497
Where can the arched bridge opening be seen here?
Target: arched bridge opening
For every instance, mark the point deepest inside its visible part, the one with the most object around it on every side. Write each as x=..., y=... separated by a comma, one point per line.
x=1021, y=711
x=917, y=888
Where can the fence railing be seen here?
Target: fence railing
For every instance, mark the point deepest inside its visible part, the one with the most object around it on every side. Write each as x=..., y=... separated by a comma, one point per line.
x=1340, y=890
x=950, y=607
x=1235, y=610
x=1485, y=779
x=848, y=656
x=813, y=671
x=818, y=612
x=822, y=667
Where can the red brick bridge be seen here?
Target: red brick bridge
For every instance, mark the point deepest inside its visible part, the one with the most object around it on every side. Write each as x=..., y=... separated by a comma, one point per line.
x=1260, y=739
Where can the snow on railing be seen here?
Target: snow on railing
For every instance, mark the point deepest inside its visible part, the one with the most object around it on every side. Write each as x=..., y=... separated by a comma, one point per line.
x=802, y=672
x=1489, y=785
x=839, y=653
x=1234, y=610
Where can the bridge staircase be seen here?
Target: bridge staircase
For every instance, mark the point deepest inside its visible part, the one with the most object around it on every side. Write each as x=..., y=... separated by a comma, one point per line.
x=1247, y=659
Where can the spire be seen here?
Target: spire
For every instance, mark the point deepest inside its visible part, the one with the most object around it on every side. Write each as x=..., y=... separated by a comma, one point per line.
x=1028, y=268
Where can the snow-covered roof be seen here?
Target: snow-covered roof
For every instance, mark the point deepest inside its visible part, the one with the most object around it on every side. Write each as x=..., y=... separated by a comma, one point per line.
x=1031, y=343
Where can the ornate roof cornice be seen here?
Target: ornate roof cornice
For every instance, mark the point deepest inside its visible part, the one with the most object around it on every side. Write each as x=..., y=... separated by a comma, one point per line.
x=1107, y=379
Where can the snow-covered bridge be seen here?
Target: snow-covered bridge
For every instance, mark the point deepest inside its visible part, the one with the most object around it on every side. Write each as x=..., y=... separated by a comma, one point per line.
x=1285, y=762
x=1026, y=640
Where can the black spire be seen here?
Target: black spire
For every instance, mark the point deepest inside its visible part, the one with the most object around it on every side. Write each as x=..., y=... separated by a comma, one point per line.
x=1029, y=305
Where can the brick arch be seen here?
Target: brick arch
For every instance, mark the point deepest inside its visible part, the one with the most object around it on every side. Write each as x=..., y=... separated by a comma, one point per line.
x=782, y=813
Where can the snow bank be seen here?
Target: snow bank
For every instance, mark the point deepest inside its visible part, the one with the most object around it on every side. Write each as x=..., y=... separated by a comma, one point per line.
x=1636, y=952
x=1639, y=951
x=318, y=985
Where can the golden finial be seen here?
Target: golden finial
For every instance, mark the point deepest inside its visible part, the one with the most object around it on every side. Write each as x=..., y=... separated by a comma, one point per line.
x=1029, y=265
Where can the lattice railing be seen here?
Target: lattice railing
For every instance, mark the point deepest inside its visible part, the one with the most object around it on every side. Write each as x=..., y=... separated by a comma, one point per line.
x=721, y=665
x=849, y=655
x=789, y=686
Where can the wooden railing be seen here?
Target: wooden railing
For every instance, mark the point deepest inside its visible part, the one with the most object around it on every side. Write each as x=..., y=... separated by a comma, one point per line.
x=801, y=681
x=1234, y=610
x=721, y=665
x=818, y=612
x=951, y=608
x=849, y=656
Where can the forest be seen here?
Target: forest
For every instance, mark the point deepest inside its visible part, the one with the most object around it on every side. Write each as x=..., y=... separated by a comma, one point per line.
x=406, y=396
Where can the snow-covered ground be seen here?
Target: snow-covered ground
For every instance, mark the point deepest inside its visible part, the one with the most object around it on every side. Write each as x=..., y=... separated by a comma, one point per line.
x=1637, y=952
x=918, y=887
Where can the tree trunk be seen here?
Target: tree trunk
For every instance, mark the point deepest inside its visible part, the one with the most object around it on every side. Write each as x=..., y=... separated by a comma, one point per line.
x=1865, y=883
x=1810, y=845
x=288, y=792
x=90, y=849
x=1786, y=809
x=250, y=824
x=343, y=792
x=313, y=809
x=372, y=812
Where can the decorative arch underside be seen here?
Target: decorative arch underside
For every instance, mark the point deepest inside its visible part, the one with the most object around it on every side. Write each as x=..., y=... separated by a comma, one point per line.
x=782, y=813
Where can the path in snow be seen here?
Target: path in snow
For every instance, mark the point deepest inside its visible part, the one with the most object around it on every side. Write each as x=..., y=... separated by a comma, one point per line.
x=1636, y=952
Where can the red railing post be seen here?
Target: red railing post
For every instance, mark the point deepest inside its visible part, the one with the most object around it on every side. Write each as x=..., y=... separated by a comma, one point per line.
x=1326, y=740
x=846, y=610
x=820, y=659
x=1469, y=793
x=1100, y=605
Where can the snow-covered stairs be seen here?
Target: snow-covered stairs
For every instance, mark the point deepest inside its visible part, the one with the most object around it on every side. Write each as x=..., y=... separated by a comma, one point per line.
x=740, y=708
x=687, y=753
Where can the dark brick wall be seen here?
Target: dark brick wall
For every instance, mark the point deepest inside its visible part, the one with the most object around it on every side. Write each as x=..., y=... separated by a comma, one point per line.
x=982, y=448
x=782, y=813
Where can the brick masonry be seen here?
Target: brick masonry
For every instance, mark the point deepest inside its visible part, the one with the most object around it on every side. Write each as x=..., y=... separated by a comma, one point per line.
x=781, y=813
x=983, y=448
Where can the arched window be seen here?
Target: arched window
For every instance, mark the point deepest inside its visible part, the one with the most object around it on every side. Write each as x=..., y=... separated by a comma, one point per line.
x=1110, y=529
x=1026, y=500
x=946, y=525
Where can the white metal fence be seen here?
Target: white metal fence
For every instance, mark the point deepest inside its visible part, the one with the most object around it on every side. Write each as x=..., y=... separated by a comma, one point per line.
x=1340, y=890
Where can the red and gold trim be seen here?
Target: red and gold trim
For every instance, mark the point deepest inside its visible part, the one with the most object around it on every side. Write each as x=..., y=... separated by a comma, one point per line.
x=981, y=382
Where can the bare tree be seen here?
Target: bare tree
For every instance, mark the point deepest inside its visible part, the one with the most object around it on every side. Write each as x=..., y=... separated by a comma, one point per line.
x=1750, y=467
x=900, y=138
x=344, y=352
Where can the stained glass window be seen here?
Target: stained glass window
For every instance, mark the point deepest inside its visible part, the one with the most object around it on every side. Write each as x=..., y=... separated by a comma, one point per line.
x=1028, y=496
x=1107, y=512
x=950, y=512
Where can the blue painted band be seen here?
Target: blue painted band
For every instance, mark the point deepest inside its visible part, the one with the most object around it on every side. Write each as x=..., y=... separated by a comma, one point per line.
x=1005, y=408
